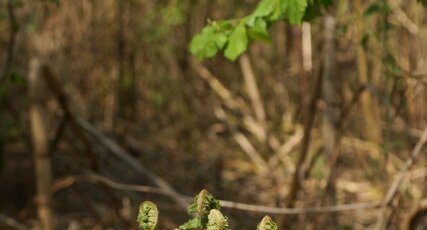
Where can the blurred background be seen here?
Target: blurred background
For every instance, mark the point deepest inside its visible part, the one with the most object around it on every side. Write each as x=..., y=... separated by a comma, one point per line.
x=96, y=95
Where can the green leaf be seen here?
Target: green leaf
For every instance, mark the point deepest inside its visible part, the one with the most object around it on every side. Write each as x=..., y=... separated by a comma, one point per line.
x=237, y=43
x=259, y=31
x=265, y=8
x=195, y=223
x=266, y=224
x=294, y=10
x=148, y=215
x=207, y=43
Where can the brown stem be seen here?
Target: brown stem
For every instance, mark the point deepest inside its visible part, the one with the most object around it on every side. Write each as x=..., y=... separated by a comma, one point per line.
x=299, y=170
x=40, y=142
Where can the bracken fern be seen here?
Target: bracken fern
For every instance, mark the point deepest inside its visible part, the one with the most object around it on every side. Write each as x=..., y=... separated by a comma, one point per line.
x=206, y=215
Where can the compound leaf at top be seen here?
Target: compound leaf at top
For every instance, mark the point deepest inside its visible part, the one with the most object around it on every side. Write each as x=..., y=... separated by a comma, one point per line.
x=294, y=10
x=259, y=31
x=237, y=43
x=207, y=43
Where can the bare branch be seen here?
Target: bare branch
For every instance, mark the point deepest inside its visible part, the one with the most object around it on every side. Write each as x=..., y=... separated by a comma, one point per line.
x=392, y=191
x=403, y=18
x=244, y=143
x=238, y=205
x=253, y=92
x=286, y=148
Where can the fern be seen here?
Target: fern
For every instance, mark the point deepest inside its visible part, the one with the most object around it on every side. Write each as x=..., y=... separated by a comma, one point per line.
x=206, y=215
x=203, y=203
x=216, y=221
x=148, y=215
x=267, y=224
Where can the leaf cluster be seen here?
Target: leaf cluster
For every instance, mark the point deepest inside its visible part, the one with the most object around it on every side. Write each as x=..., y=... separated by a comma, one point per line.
x=233, y=36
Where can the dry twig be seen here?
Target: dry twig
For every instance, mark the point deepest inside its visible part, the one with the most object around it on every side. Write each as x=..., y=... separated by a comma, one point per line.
x=237, y=205
x=403, y=18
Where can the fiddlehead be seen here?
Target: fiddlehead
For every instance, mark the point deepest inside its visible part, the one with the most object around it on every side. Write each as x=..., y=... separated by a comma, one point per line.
x=203, y=203
x=267, y=224
x=217, y=221
x=148, y=215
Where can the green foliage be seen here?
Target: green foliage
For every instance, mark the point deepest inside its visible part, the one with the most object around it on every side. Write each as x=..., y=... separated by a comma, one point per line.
x=147, y=215
x=217, y=221
x=237, y=42
x=212, y=38
x=207, y=215
x=294, y=10
x=267, y=224
x=203, y=203
x=233, y=36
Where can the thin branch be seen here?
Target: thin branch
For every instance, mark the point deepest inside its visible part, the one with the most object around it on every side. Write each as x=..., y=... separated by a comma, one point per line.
x=246, y=145
x=254, y=94
x=392, y=191
x=238, y=205
x=286, y=148
x=394, y=188
x=228, y=99
x=244, y=142
x=403, y=18
x=299, y=170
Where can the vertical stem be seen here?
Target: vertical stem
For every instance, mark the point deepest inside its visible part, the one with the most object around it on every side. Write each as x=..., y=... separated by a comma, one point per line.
x=253, y=92
x=331, y=97
x=371, y=126
x=43, y=174
x=299, y=170
x=297, y=36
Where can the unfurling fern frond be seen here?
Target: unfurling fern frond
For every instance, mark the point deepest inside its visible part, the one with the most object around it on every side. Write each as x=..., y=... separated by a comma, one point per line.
x=217, y=221
x=202, y=204
x=267, y=224
x=148, y=215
